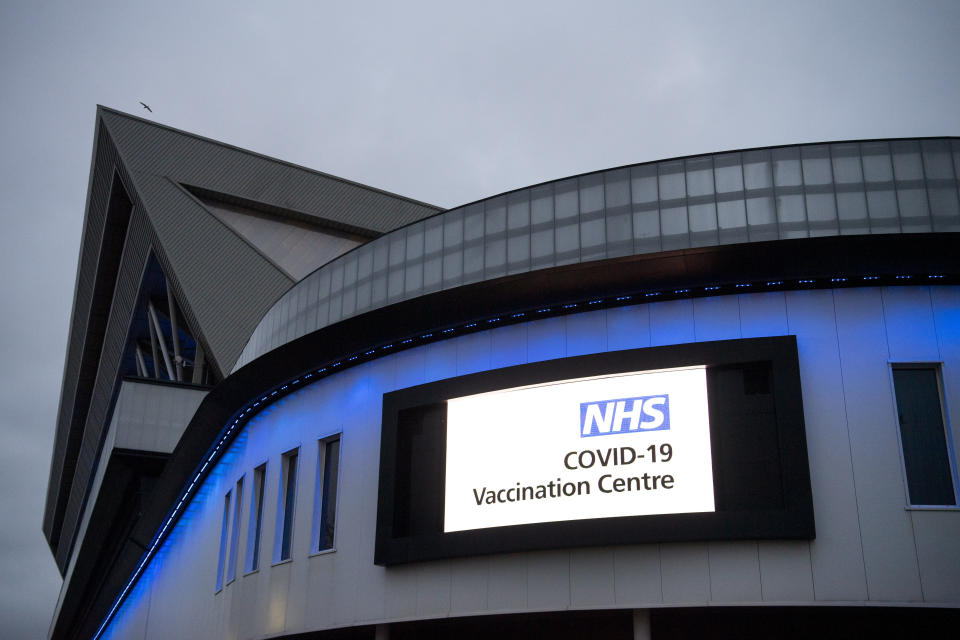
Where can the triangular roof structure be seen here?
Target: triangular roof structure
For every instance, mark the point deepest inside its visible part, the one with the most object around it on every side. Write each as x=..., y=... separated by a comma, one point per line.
x=152, y=199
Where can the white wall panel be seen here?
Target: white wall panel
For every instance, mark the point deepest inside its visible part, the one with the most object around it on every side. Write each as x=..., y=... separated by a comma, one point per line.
x=838, y=572
x=628, y=327
x=938, y=552
x=734, y=572
x=911, y=330
x=507, y=582
x=508, y=346
x=785, y=571
x=592, y=578
x=763, y=314
x=885, y=532
x=586, y=333
x=548, y=580
x=468, y=585
x=716, y=318
x=686, y=573
x=637, y=575
x=671, y=322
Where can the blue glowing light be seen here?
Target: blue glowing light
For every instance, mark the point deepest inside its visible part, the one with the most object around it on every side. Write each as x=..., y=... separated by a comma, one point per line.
x=937, y=276
x=651, y=294
x=870, y=277
x=472, y=324
x=622, y=298
x=681, y=290
x=740, y=286
x=903, y=277
x=774, y=283
x=713, y=288
x=838, y=279
x=569, y=306
x=595, y=301
x=542, y=310
x=805, y=281
x=448, y=330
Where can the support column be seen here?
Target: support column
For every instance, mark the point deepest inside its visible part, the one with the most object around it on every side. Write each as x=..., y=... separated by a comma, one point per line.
x=153, y=347
x=641, y=624
x=163, y=343
x=141, y=363
x=172, y=308
x=198, y=363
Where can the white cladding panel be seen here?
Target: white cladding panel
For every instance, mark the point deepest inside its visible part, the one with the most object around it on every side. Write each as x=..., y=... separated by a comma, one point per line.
x=869, y=548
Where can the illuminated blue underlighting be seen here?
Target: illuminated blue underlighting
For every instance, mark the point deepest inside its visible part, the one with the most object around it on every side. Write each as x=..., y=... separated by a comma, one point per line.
x=407, y=341
x=273, y=393
x=838, y=279
x=322, y=370
x=595, y=301
x=472, y=324
x=368, y=352
x=518, y=315
x=805, y=281
x=903, y=277
x=569, y=306
x=870, y=277
x=714, y=288
x=938, y=276
x=351, y=358
x=622, y=298
x=309, y=375
x=494, y=320
x=297, y=381
x=256, y=404
x=336, y=364
x=542, y=310
x=448, y=331
x=681, y=290
x=426, y=335
x=774, y=283
x=650, y=295
x=739, y=286
x=389, y=346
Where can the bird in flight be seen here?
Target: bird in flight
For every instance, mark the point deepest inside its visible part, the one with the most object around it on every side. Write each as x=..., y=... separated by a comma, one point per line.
x=147, y=107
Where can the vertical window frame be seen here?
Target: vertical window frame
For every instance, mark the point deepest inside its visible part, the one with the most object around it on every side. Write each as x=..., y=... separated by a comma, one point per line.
x=322, y=503
x=224, y=533
x=235, y=522
x=254, y=542
x=286, y=506
x=937, y=368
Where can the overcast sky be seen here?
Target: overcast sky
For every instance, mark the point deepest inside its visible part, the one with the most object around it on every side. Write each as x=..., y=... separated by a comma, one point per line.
x=446, y=102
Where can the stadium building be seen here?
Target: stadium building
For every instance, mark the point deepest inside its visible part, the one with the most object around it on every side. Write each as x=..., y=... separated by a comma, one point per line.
x=705, y=395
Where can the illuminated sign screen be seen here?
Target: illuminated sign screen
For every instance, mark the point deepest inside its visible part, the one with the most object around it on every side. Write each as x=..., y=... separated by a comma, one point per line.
x=699, y=441
x=534, y=454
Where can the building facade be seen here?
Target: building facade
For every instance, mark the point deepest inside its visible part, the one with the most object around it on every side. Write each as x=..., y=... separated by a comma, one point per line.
x=280, y=384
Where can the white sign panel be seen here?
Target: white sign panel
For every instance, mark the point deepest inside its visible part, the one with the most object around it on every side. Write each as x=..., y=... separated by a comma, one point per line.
x=621, y=445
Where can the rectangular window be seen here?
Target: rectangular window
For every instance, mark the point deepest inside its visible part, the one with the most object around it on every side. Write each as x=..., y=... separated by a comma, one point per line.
x=255, y=524
x=924, y=435
x=235, y=532
x=325, y=502
x=223, y=540
x=286, y=501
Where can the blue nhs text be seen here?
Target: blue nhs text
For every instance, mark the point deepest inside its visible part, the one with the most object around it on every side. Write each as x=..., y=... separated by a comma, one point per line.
x=624, y=415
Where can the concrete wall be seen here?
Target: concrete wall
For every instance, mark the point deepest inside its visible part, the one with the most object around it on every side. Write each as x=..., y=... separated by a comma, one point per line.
x=869, y=547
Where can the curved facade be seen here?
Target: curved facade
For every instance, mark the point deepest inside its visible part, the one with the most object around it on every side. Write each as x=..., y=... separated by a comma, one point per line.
x=815, y=289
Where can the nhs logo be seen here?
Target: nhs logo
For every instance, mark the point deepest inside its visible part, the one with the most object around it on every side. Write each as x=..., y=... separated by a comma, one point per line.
x=626, y=415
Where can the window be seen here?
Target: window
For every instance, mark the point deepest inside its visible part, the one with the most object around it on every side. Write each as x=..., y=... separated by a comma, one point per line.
x=924, y=436
x=286, y=501
x=235, y=532
x=325, y=501
x=223, y=540
x=255, y=524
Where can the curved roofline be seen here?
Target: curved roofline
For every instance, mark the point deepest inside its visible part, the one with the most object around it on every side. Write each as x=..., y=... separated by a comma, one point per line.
x=588, y=173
